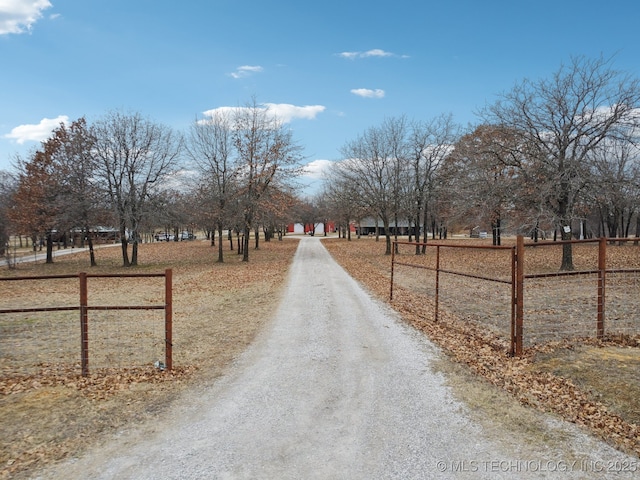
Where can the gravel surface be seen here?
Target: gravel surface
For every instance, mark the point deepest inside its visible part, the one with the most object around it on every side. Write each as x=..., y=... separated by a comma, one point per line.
x=336, y=387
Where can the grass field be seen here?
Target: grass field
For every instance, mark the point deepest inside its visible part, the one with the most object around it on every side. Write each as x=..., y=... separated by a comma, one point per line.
x=219, y=308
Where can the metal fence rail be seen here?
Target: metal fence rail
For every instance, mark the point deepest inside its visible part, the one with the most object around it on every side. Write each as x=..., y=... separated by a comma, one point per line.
x=513, y=289
x=34, y=339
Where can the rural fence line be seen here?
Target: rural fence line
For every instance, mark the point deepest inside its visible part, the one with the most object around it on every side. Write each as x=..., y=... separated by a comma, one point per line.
x=520, y=293
x=35, y=336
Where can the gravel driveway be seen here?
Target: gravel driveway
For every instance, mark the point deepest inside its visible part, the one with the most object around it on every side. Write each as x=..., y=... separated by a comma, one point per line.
x=336, y=387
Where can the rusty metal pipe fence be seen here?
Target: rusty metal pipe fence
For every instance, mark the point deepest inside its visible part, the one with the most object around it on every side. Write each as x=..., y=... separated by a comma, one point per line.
x=550, y=304
x=83, y=307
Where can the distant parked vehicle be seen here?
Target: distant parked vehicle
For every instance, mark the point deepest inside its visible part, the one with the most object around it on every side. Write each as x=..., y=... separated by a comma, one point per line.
x=164, y=237
x=187, y=236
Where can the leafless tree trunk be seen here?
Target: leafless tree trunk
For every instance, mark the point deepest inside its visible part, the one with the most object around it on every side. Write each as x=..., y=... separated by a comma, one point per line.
x=615, y=192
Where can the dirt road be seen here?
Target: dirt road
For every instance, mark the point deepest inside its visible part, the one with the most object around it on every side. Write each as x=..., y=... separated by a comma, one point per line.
x=335, y=388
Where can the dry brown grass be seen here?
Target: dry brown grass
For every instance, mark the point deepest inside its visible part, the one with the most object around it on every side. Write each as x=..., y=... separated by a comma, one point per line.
x=593, y=384
x=218, y=309
x=609, y=373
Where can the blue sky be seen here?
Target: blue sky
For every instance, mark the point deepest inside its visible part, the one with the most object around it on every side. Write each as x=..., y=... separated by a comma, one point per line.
x=331, y=69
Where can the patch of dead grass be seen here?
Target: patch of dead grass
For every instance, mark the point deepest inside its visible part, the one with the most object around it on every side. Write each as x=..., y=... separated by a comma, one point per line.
x=592, y=400
x=609, y=374
x=218, y=309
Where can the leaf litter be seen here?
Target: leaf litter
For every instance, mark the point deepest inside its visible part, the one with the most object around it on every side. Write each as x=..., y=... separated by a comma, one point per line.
x=219, y=308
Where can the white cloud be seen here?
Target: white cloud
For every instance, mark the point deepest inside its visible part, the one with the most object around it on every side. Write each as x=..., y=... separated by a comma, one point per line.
x=284, y=112
x=17, y=16
x=222, y=111
x=376, y=52
x=316, y=168
x=36, y=133
x=246, y=70
x=349, y=55
x=368, y=93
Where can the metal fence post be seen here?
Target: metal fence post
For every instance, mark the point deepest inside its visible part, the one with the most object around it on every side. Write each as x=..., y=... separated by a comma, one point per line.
x=168, y=318
x=393, y=261
x=514, y=263
x=84, y=325
x=602, y=275
x=519, y=295
x=437, y=299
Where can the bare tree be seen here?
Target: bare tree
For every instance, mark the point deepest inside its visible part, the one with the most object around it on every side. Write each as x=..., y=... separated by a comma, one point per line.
x=429, y=143
x=482, y=185
x=616, y=193
x=276, y=211
x=135, y=157
x=395, y=131
x=393, y=169
x=266, y=153
x=309, y=213
x=8, y=185
x=562, y=120
x=373, y=165
x=345, y=202
x=210, y=147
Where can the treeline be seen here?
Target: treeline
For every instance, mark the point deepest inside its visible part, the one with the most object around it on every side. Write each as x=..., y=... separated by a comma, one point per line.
x=231, y=171
x=556, y=156
x=552, y=157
